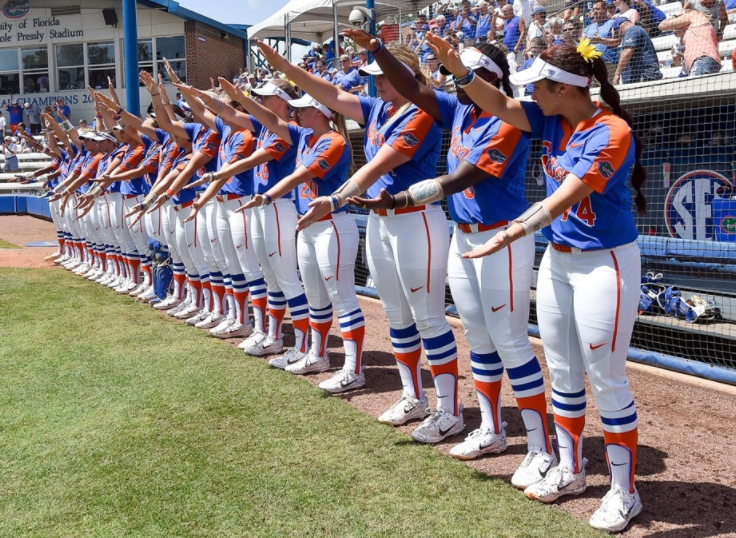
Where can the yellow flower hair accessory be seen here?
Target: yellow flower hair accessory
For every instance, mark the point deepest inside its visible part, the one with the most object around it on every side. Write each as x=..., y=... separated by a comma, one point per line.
x=587, y=50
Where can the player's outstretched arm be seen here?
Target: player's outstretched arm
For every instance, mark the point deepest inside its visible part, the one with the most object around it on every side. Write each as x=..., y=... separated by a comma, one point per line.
x=289, y=183
x=539, y=215
x=483, y=94
x=269, y=120
x=341, y=102
x=397, y=74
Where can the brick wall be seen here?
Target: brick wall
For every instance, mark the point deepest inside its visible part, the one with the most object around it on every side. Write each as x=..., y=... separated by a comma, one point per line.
x=209, y=55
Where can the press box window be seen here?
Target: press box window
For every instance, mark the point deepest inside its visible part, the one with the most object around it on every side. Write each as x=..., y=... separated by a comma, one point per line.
x=101, y=63
x=70, y=67
x=9, y=72
x=35, y=69
x=171, y=48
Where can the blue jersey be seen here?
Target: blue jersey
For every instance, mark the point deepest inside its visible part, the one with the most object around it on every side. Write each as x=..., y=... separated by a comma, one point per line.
x=327, y=157
x=89, y=169
x=205, y=141
x=282, y=165
x=105, y=164
x=120, y=150
x=600, y=151
x=347, y=81
x=494, y=147
x=16, y=114
x=235, y=146
x=484, y=25
x=411, y=132
x=131, y=160
x=184, y=195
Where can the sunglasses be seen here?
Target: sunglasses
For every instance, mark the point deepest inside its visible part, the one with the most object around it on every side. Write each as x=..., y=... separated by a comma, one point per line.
x=567, y=30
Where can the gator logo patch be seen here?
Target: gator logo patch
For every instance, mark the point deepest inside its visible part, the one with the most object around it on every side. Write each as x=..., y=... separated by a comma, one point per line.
x=496, y=156
x=606, y=169
x=323, y=164
x=278, y=146
x=410, y=139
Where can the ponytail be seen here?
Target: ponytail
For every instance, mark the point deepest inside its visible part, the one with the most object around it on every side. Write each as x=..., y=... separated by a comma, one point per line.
x=338, y=120
x=611, y=97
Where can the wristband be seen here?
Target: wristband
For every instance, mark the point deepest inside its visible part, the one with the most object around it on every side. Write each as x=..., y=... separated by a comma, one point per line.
x=380, y=47
x=267, y=196
x=116, y=117
x=393, y=201
x=334, y=203
x=98, y=115
x=535, y=218
x=170, y=193
x=464, y=81
x=155, y=94
x=119, y=110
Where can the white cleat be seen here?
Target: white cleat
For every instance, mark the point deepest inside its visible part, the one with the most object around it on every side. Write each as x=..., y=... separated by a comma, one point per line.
x=116, y=282
x=201, y=316
x=292, y=356
x=479, y=442
x=52, y=257
x=439, y=426
x=168, y=303
x=125, y=289
x=234, y=330
x=179, y=308
x=267, y=346
x=617, y=509
x=559, y=481
x=343, y=381
x=310, y=365
x=147, y=297
x=188, y=312
x=256, y=338
x=212, y=320
x=533, y=469
x=81, y=269
x=89, y=275
x=406, y=409
x=224, y=324
x=140, y=288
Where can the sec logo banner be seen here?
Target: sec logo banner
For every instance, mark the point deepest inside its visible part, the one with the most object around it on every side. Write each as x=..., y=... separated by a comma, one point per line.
x=688, y=207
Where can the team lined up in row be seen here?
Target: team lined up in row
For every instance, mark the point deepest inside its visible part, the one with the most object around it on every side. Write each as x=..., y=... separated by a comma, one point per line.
x=230, y=232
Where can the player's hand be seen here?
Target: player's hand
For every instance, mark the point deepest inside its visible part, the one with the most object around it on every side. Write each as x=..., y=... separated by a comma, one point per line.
x=256, y=201
x=447, y=55
x=232, y=92
x=64, y=201
x=362, y=38
x=174, y=78
x=493, y=245
x=276, y=60
x=383, y=201
x=158, y=203
x=317, y=209
x=54, y=197
x=193, y=213
x=138, y=208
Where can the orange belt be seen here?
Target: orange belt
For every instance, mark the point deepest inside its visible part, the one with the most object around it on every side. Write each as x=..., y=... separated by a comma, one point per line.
x=184, y=205
x=227, y=197
x=399, y=211
x=475, y=228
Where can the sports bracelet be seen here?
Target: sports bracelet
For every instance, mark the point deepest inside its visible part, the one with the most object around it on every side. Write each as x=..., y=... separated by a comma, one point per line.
x=170, y=193
x=464, y=81
x=393, y=201
x=334, y=202
x=267, y=196
x=119, y=110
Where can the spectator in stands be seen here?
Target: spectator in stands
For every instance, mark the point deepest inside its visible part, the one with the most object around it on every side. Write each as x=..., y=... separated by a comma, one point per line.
x=422, y=48
x=450, y=14
x=466, y=23
x=536, y=47
x=537, y=26
x=442, y=25
x=347, y=78
x=15, y=111
x=572, y=31
x=436, y=78
x=83, y=124
x=699, y=38
x=650, y=15
x=523, y=9
x=34, y=117
x=730, y=7
x=627, y=10
x=11, y=158
x=63, y=107
x=498, y=18
x=715, y=10
x=3, y=125
x=602, y=33
x=553, y=33
x=513, y=36
x=485, y=21
x=321, y=70
x=638, y=60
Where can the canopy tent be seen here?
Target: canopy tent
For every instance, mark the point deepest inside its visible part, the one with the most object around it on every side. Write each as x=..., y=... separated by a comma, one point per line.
x=314, y=20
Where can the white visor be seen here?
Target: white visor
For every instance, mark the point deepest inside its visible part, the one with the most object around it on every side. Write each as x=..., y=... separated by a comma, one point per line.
x=271, y=89
x=540, y=70
x=374, y=69
x=474, y=59
x=307, y=101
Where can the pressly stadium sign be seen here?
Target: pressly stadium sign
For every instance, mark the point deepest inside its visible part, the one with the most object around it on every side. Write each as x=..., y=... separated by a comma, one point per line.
x=688, y=207
x=16, y=27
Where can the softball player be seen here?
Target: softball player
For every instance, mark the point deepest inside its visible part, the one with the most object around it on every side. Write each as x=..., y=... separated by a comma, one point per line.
x=407, y=247
x=486, y=165
x=327, y=249
x=273, y=228
x=588, y=284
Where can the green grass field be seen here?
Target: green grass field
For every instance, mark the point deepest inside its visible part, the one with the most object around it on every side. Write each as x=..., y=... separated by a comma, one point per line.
x=115, y=420
x=5, y=244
